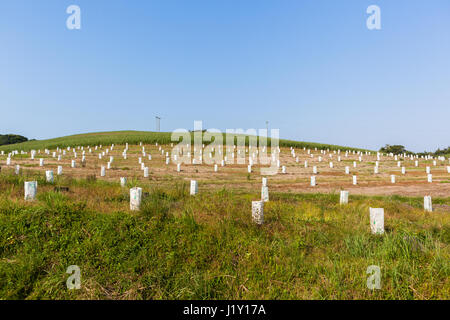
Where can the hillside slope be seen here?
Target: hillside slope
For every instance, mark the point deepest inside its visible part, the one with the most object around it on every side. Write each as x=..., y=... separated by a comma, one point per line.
x=134, y=137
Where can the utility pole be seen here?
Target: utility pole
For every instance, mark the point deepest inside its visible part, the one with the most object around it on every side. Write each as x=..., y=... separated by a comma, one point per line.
x=158, y=121
x=267, y=127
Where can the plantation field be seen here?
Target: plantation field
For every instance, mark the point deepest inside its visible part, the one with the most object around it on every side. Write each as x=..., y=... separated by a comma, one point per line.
x=296, y=179
x=206, y=246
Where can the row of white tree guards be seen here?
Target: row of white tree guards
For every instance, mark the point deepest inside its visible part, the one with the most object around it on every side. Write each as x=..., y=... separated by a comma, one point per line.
x=223, y=161
x=376, y=214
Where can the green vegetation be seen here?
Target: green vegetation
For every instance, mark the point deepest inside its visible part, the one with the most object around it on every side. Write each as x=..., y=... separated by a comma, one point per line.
x=443, y=152
x=134, y=137
x=11, y=139
x=395, y=149
x=399, y=149
x=206, y=247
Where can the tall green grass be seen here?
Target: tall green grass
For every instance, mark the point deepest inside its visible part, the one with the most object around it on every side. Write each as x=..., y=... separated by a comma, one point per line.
x=206, y=246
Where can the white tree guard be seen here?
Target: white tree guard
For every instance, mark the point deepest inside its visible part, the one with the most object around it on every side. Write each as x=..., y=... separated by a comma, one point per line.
x=194, y=188
x=135, y=198
x=258, y=212
x=30, y=190
x=377, y=220
x=264, y=182
x=427, y=205
x=344, y=197
x=49, y=176
x=265, y=193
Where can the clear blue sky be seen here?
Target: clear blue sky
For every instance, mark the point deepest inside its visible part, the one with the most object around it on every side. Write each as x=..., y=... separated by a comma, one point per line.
x=311, y=68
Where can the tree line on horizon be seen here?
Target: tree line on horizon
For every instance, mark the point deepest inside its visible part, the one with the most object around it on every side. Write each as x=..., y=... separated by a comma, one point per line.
x=11, y=139
x=399, y=149
x=6, y=139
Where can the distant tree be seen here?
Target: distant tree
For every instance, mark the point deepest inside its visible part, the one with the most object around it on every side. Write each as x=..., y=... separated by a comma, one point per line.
x=11, y=139
x=399, y=149
x=442, y=152
x=395, y=149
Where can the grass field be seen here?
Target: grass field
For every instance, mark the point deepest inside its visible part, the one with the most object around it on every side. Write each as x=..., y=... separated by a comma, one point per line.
x=296, y=179
x=206, y=247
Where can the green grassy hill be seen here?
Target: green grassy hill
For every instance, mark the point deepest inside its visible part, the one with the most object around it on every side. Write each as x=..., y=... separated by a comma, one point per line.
x=134, y=137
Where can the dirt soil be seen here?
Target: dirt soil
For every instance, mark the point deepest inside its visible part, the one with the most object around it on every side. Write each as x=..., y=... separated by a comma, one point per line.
x=235, y=176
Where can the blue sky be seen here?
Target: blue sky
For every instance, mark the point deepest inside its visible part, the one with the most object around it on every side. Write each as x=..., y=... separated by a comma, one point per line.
x=312, y=68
